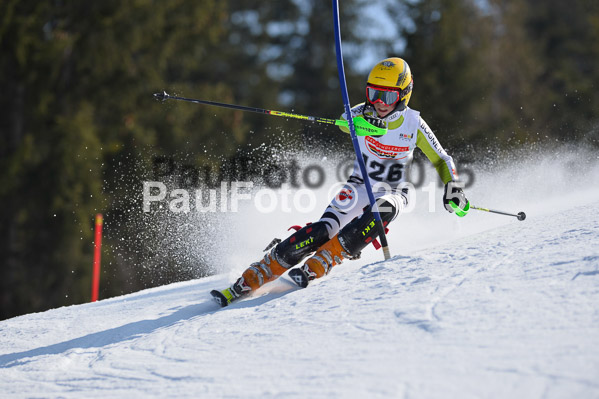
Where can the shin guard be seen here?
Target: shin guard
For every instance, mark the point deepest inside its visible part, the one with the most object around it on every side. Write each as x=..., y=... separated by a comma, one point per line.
x=302, y=243
x=358, y=233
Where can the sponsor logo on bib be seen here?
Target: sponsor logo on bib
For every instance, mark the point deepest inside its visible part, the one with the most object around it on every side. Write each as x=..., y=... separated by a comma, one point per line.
x=384, y=151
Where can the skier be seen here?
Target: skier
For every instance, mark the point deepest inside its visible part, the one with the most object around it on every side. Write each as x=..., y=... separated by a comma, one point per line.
x=348, y=223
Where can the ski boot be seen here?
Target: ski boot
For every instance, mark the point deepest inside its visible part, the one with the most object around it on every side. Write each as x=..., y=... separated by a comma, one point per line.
x=258, y=274
x=330, y=254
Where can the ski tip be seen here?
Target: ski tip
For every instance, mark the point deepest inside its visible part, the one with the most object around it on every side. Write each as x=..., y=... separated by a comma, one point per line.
x=219, y=298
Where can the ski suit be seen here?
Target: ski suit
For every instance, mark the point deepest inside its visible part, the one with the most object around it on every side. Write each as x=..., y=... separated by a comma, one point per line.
x=347, y=225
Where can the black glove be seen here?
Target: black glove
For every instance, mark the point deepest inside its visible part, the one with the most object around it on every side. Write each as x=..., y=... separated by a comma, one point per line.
x=375, y=121
x=455, y=195
x=369, y=114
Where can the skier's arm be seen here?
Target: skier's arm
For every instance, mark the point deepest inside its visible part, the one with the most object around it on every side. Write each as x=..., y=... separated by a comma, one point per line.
x=357, y=110
x=431, y=147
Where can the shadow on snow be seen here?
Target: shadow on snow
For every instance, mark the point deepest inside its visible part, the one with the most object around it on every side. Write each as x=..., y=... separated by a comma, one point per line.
x=136, y=329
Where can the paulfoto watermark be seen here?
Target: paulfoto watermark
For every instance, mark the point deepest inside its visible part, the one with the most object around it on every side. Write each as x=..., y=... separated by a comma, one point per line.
x=237, y=195
x=227, y=198
x=277, y=173
x=283, y=185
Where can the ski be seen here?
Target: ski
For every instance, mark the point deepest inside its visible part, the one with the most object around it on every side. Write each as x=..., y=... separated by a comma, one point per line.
x=223, y=298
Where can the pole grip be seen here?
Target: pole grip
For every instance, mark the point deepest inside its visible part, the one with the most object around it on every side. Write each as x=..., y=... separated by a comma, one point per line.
x=97, y=256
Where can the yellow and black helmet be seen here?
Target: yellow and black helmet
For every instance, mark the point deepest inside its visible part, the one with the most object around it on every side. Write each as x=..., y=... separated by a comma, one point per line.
x=390, y=82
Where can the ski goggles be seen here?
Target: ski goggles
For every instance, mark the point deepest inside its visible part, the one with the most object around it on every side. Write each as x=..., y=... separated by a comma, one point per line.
x=386, y=95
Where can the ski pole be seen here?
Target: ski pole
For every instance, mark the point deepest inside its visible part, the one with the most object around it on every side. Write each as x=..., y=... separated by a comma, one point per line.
x=345, y=95
x=363, y=128
x=520, y=215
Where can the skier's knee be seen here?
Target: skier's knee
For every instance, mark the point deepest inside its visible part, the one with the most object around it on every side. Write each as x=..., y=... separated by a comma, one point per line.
x=388, y=207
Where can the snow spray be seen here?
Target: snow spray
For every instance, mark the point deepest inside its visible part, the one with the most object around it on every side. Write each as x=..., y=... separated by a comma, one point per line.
x=173, y=246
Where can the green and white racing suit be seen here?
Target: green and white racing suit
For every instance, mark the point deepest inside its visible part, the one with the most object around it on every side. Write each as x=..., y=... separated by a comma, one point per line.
x=387, y=159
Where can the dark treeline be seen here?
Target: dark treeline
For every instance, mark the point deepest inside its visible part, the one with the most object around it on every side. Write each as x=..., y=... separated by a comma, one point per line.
x=80, y=128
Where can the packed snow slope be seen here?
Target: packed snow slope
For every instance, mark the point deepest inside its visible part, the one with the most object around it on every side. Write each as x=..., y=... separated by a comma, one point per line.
x=479, y=307
x=510, y=312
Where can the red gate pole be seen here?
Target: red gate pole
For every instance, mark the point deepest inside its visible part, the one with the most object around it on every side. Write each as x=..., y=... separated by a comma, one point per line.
x=97, y=252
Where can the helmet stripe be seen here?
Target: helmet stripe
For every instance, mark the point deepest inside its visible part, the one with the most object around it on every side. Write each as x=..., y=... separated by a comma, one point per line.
x=402, y=76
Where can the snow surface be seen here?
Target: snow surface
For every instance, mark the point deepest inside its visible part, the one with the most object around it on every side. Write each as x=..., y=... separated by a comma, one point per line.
x=480, y=307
